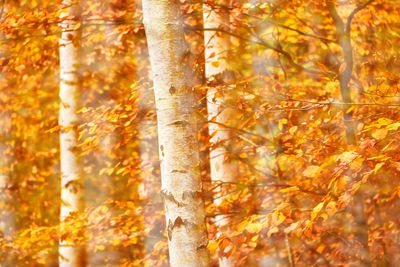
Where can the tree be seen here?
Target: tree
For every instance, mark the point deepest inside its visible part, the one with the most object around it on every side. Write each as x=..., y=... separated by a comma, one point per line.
x=220, y=81
x=71, y=176
x=178, y=145
x=306, y=195
x=7, y=215
x=345, y=73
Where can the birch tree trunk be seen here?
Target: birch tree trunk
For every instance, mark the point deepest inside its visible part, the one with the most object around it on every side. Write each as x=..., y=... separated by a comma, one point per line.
x=178, y=144
x=218, y=75
x=71, y=184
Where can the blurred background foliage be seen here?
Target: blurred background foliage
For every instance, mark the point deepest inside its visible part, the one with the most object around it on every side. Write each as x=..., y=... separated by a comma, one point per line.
x=297, y=201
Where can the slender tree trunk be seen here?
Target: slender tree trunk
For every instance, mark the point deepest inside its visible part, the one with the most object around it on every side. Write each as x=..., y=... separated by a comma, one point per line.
x=179, y=153
x=357, y=210
x=71, y=184
x=218, y=75
x=7, y=214
x=344, y=40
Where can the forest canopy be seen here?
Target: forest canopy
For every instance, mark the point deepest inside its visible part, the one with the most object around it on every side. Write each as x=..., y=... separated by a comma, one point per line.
x=199, y=133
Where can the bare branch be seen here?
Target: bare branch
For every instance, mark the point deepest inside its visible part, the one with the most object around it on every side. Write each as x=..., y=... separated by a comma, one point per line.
x=2, y=8
x=353, y=13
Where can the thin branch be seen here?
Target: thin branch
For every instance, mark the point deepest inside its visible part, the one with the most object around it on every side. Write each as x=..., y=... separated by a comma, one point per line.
x=262, y=43
x=336, y=17
x=2, y=8
x=307, y=34
x=344, y=103
x=354, y=12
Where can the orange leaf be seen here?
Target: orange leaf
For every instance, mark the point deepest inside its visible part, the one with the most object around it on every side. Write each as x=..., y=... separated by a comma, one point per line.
x=215, y=64
x=322, y=67
x=342, y=68
x=225, y=243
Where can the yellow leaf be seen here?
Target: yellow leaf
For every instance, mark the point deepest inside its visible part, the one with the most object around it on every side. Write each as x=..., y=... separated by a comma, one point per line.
x=311, y=171
x=289, y=189
x=60, y=12
x=77, y=26
x=273, y=230
x=243, y=155
x=254, y=228
x=347, y=156
x=393, y=126
x=379, y=133
x=378, y=166
x=292, y=130
x=281, y=123
x=99, y=247
x=41, y=261
x=115, y=242
x=350, y=109
x=383, y=122
x=331, y=207
x=212, y=246
x=281, y=218
x=316, y=210
x=321, y=248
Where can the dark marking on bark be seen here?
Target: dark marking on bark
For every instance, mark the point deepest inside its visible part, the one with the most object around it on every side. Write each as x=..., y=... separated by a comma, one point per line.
x=226, y=77
x=172, y=90
x=73, y=186
x=179, y=123
x=204, y=246
x=171, y=225
x=179, y=171
x=162, y=150
x=65, y=105
x=186, y=195
x=186, y=56
x=191, y=194
x=168, y=196
x=169, y=230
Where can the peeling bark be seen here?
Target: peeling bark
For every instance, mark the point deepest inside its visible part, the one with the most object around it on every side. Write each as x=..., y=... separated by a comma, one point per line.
x=71, y=184
x=177, y=133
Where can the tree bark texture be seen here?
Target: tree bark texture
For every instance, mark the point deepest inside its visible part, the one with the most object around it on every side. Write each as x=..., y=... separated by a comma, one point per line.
x=71, y=184
x=219, y=75
x=178, y=144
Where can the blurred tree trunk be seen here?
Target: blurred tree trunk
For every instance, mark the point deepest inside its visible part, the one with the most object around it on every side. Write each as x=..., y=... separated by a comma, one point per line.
x=343, y=36
x=220, y=78
x=179, y=153
x=71, y=184
x=7, y=212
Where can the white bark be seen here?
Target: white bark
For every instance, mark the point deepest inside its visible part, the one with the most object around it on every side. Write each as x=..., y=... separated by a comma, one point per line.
x=216, y=69
x=71, y=184
x=180, y=170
